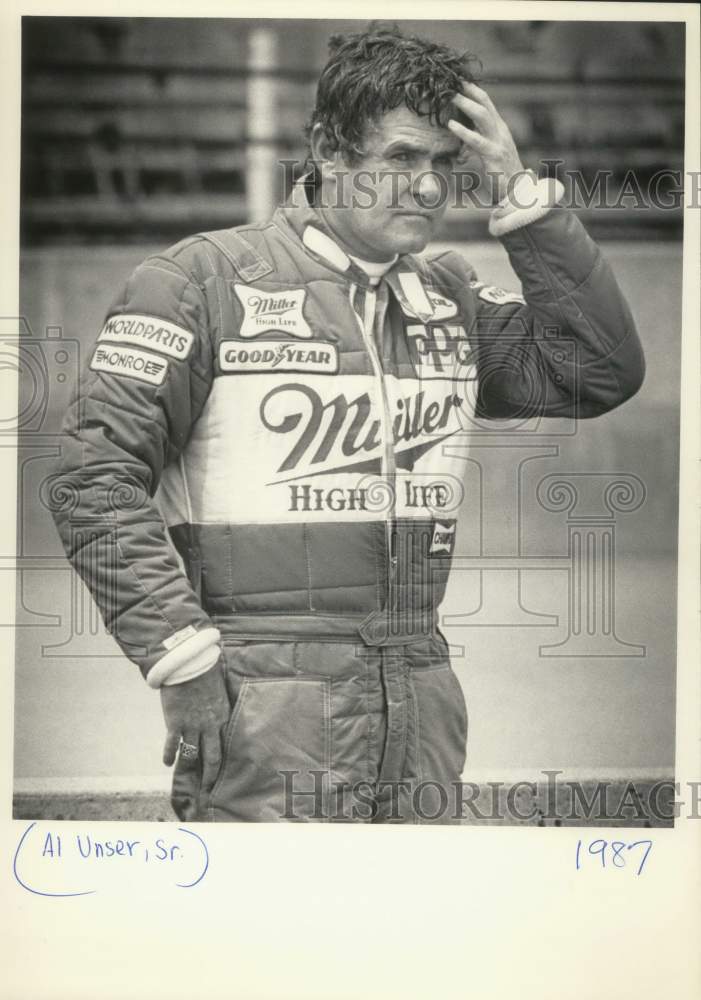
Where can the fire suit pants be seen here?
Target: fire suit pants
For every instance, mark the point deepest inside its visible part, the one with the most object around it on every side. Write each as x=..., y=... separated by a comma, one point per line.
x=334, y=732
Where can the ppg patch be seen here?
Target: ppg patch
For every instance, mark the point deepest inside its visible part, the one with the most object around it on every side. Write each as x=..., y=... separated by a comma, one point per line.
x=128, y=361
x=441, y=352
x=443, y=540
x=278, y=312
x=496, y=296
x=149, y=331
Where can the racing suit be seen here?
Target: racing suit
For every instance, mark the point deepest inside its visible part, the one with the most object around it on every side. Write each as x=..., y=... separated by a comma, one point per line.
x=263, y=467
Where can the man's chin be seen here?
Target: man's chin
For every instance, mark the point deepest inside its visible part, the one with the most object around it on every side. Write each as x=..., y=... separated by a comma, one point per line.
x=412, y=236
x=413, y=244
x=408, y=242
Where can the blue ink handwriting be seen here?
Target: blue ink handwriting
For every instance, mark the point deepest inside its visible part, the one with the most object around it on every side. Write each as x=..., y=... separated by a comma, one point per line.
x=48, y=851
x=615, y=851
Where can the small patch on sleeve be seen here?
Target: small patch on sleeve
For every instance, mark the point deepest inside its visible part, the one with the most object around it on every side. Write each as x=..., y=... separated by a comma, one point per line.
x=148, y=331
x=179, y=637
x=129, y=362
x=497, y=296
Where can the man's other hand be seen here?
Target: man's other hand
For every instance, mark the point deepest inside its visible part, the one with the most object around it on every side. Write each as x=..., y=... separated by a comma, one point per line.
x=491, y=139
x=197, y=711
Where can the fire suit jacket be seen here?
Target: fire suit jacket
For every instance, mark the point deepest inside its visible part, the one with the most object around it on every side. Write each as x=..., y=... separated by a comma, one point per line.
x=259, y=442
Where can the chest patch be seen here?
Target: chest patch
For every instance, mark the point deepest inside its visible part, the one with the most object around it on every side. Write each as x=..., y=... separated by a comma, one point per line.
x=279, y=312
x=441, y=352
x=420, y=302
x=278, y=356
x=443, y=540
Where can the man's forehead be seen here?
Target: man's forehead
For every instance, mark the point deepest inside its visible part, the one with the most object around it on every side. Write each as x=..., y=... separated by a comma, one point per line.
x=403, y=125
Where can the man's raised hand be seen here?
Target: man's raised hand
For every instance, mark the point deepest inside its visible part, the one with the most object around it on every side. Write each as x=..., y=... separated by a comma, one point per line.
x=491, y=139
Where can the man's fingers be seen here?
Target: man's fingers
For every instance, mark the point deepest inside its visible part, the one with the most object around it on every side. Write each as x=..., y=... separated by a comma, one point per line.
x=470, y=138
x=170, y=747
x=211, y=759
x=479, y=95
x=479, y=114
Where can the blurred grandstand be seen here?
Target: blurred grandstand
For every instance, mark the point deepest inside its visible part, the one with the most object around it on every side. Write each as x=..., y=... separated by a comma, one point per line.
x=147, y=129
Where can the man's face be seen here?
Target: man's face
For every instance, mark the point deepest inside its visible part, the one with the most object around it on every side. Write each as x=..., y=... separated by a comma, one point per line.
x=393, y=200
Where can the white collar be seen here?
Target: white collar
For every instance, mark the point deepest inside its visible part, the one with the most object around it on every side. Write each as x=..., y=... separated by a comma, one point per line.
x=373, y=268
x=323, y=246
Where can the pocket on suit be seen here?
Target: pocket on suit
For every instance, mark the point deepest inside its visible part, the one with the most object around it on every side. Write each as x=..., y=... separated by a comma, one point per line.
x=276, y=751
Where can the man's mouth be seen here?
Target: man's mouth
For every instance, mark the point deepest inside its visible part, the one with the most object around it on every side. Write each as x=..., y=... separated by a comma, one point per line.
x=415, y=213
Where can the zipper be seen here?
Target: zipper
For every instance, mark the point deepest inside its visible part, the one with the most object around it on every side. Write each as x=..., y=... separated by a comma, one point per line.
x=387, y=464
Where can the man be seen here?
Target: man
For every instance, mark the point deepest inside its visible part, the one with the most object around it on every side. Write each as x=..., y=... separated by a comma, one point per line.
x=288, y=389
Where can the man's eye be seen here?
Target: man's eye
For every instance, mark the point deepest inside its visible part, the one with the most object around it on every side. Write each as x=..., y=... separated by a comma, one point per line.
x=444, y=162
x=403, y=157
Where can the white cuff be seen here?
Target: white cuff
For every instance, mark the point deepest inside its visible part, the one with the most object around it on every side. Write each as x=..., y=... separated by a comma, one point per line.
x=201, y=663
x=189, y=652
x=529, y=200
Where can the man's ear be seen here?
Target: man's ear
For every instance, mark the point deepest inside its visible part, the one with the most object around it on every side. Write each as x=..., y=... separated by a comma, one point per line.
x=324, y=152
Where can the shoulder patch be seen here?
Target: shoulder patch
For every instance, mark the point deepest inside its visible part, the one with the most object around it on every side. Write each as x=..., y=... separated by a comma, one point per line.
x=128, y=361
x=149, y=331
x=497, y=296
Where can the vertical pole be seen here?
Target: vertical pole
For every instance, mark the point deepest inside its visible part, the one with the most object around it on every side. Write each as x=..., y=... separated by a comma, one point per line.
x=262, y=124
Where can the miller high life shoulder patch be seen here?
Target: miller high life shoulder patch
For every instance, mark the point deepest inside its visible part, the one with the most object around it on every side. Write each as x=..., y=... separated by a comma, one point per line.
x=278, y=312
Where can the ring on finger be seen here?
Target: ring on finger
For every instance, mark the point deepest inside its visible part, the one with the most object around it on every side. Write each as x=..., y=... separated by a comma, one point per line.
x=188, y=751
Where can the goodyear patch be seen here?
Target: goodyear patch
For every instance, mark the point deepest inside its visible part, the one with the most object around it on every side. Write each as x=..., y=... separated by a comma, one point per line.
x=278, y=356
x=497, y=296
x=279, y=312
x=142, y=365
x=149, y=331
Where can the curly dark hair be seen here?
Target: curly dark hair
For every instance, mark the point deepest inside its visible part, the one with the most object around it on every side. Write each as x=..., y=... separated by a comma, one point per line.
x=375, y=71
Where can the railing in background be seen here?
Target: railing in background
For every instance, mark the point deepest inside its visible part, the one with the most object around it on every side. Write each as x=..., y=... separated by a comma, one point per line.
x=150, y=129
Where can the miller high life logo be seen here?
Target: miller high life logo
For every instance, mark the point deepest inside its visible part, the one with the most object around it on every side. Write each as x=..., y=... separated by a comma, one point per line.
x=279, y=311
x=343, y=435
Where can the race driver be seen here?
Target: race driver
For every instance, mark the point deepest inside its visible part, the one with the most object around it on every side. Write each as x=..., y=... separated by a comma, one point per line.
x=260, y=446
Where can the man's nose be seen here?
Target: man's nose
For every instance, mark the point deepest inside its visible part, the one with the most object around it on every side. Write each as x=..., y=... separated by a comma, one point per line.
x=428, y=190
